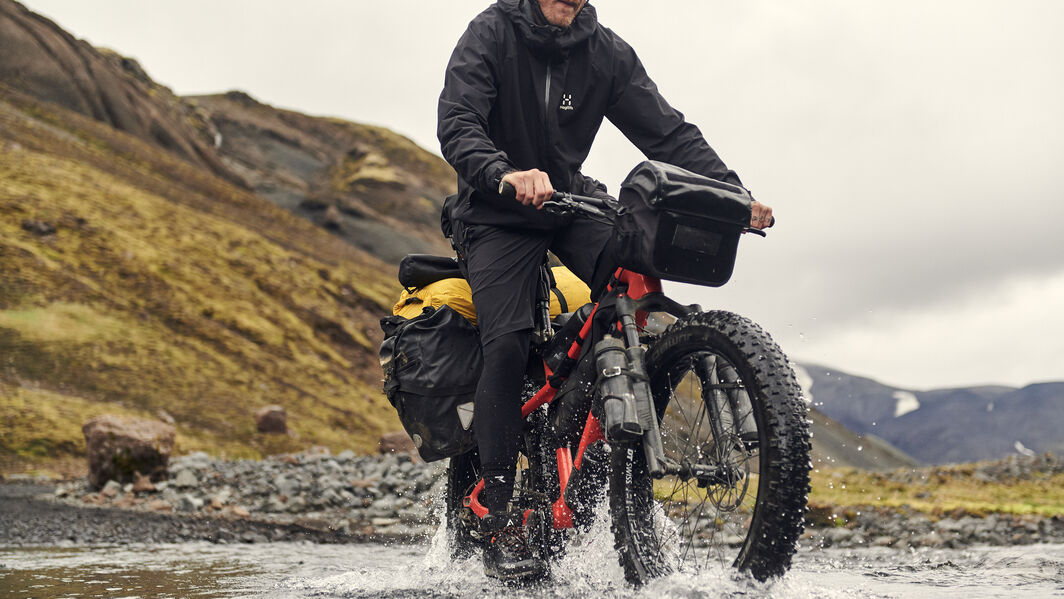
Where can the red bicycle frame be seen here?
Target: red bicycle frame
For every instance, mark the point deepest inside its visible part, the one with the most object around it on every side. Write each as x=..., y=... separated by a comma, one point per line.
x=636, y=286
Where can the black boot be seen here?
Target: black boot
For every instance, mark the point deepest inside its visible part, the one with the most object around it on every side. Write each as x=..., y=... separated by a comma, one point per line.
x=507, y=555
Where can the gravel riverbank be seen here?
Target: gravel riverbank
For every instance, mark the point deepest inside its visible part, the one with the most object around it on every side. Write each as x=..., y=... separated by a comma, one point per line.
x=327, y=498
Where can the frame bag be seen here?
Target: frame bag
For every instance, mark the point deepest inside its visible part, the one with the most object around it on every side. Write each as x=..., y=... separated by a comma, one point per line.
x=431, y=367
x=676, y=225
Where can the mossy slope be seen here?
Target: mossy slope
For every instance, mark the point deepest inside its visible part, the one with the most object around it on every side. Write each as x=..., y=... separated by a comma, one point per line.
x=166, y=288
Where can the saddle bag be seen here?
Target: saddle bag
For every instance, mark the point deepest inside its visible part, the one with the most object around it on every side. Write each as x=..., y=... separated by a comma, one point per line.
x=432, y=363
x=418, y=270
x=676, y=225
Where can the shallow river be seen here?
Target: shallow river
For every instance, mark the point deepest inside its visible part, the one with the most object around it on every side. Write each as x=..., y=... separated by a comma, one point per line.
x=422, y=571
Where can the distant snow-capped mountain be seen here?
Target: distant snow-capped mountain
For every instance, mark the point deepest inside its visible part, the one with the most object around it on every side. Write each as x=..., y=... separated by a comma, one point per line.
x=945, y=425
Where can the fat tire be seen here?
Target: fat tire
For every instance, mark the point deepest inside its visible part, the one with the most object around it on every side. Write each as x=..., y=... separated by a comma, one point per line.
x=784, y=463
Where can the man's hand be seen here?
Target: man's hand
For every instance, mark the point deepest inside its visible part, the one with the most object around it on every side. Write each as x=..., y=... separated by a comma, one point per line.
x=760, y=215
x=532, y=187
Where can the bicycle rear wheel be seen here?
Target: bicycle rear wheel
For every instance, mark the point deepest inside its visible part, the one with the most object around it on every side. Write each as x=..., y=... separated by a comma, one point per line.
x=731, y=413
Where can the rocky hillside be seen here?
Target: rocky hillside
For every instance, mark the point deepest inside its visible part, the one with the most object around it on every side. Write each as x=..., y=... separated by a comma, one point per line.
x=50, y=65
x=141, y=273
x=135, y=281
x=945, y=425
x=373, y=188
x=367, y=185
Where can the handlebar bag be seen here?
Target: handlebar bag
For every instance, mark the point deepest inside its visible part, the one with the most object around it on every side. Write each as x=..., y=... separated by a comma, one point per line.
x=676, y=225
x=431, y=367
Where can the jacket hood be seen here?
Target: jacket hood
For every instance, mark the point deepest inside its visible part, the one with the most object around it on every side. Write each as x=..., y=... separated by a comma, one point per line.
x=544, y=37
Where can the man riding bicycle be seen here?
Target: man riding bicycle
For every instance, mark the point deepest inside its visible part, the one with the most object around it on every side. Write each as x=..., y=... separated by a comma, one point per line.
x=525, y=92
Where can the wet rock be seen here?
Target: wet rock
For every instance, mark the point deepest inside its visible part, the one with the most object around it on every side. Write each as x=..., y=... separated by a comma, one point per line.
x=931, y=539
x=287, y=485
x=118, y=447
x=397, y=442
x=111, y=489
x=142, y=484
x=125, y=501
x=189, y=503
x=333, y=219
x=297, y=504
x=185, y=478
x=272, y=419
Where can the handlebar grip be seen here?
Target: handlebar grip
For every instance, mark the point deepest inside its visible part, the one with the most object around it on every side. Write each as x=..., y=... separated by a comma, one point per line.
x=509, y=192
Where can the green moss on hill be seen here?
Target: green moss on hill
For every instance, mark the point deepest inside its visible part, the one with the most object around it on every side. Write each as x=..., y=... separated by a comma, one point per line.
x=937, y=490
x=164, y=288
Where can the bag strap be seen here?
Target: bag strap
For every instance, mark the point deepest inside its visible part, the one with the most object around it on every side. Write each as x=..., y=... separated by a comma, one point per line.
x=561, y=298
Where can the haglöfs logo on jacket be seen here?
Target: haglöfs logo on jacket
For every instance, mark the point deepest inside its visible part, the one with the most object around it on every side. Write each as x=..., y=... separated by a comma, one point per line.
x=567, y=102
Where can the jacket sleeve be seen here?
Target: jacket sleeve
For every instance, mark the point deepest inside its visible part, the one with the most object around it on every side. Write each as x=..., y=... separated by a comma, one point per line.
x=656, y=128
x=469, y=90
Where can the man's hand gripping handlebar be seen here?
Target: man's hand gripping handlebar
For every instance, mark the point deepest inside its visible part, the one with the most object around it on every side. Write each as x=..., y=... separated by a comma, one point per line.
x=564, y=203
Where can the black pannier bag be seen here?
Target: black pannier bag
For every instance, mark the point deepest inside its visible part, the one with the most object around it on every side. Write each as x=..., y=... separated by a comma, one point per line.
x=680, y=226
x=431, y=367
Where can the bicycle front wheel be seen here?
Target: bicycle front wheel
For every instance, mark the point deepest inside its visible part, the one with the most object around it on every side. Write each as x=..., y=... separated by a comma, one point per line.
x=732, y=417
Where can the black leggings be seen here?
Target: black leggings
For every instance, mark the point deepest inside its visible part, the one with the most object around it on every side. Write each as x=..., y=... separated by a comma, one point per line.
x=497, y=415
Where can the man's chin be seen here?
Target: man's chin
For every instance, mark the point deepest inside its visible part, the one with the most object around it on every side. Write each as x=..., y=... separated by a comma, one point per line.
x=561, y=13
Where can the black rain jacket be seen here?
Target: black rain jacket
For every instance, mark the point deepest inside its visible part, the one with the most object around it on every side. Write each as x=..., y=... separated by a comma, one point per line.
x=521, y=94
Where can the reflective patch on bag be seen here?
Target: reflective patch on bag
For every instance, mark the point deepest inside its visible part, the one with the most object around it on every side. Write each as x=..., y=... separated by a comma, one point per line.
x=465, y=414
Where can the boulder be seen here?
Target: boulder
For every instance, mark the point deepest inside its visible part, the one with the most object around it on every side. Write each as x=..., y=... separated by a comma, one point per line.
x=397, y=442
x=272, y=419
x=333, y=219
x=142, y=484
x=118, y=448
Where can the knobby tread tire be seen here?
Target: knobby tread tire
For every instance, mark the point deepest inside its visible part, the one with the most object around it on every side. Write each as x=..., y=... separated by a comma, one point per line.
x=780, y=413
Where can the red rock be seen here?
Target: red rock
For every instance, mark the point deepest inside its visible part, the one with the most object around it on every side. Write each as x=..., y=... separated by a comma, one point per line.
x=397, y=442
x=158, y=505
x=271, y=419
x=124, y=501
x=118, y=447
x=142, y=484
x=239, y=511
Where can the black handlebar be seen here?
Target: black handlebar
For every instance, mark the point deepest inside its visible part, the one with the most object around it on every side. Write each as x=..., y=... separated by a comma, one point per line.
x=564, y=202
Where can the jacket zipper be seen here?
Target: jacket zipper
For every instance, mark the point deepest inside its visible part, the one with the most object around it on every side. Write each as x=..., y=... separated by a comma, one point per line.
x=546, y=97
x=546, y=122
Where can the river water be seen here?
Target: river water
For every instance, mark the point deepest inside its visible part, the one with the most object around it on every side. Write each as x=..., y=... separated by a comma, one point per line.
x=277, y=570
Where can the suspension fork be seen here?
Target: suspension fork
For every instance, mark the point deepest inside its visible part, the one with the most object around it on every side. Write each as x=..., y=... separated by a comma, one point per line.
x=657, y=463
x=722, y=393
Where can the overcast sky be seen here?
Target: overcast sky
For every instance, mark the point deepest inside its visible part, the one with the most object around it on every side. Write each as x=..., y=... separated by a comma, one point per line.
x=912, y=150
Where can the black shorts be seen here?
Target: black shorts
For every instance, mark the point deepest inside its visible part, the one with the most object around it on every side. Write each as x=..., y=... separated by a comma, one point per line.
x=502, y=267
